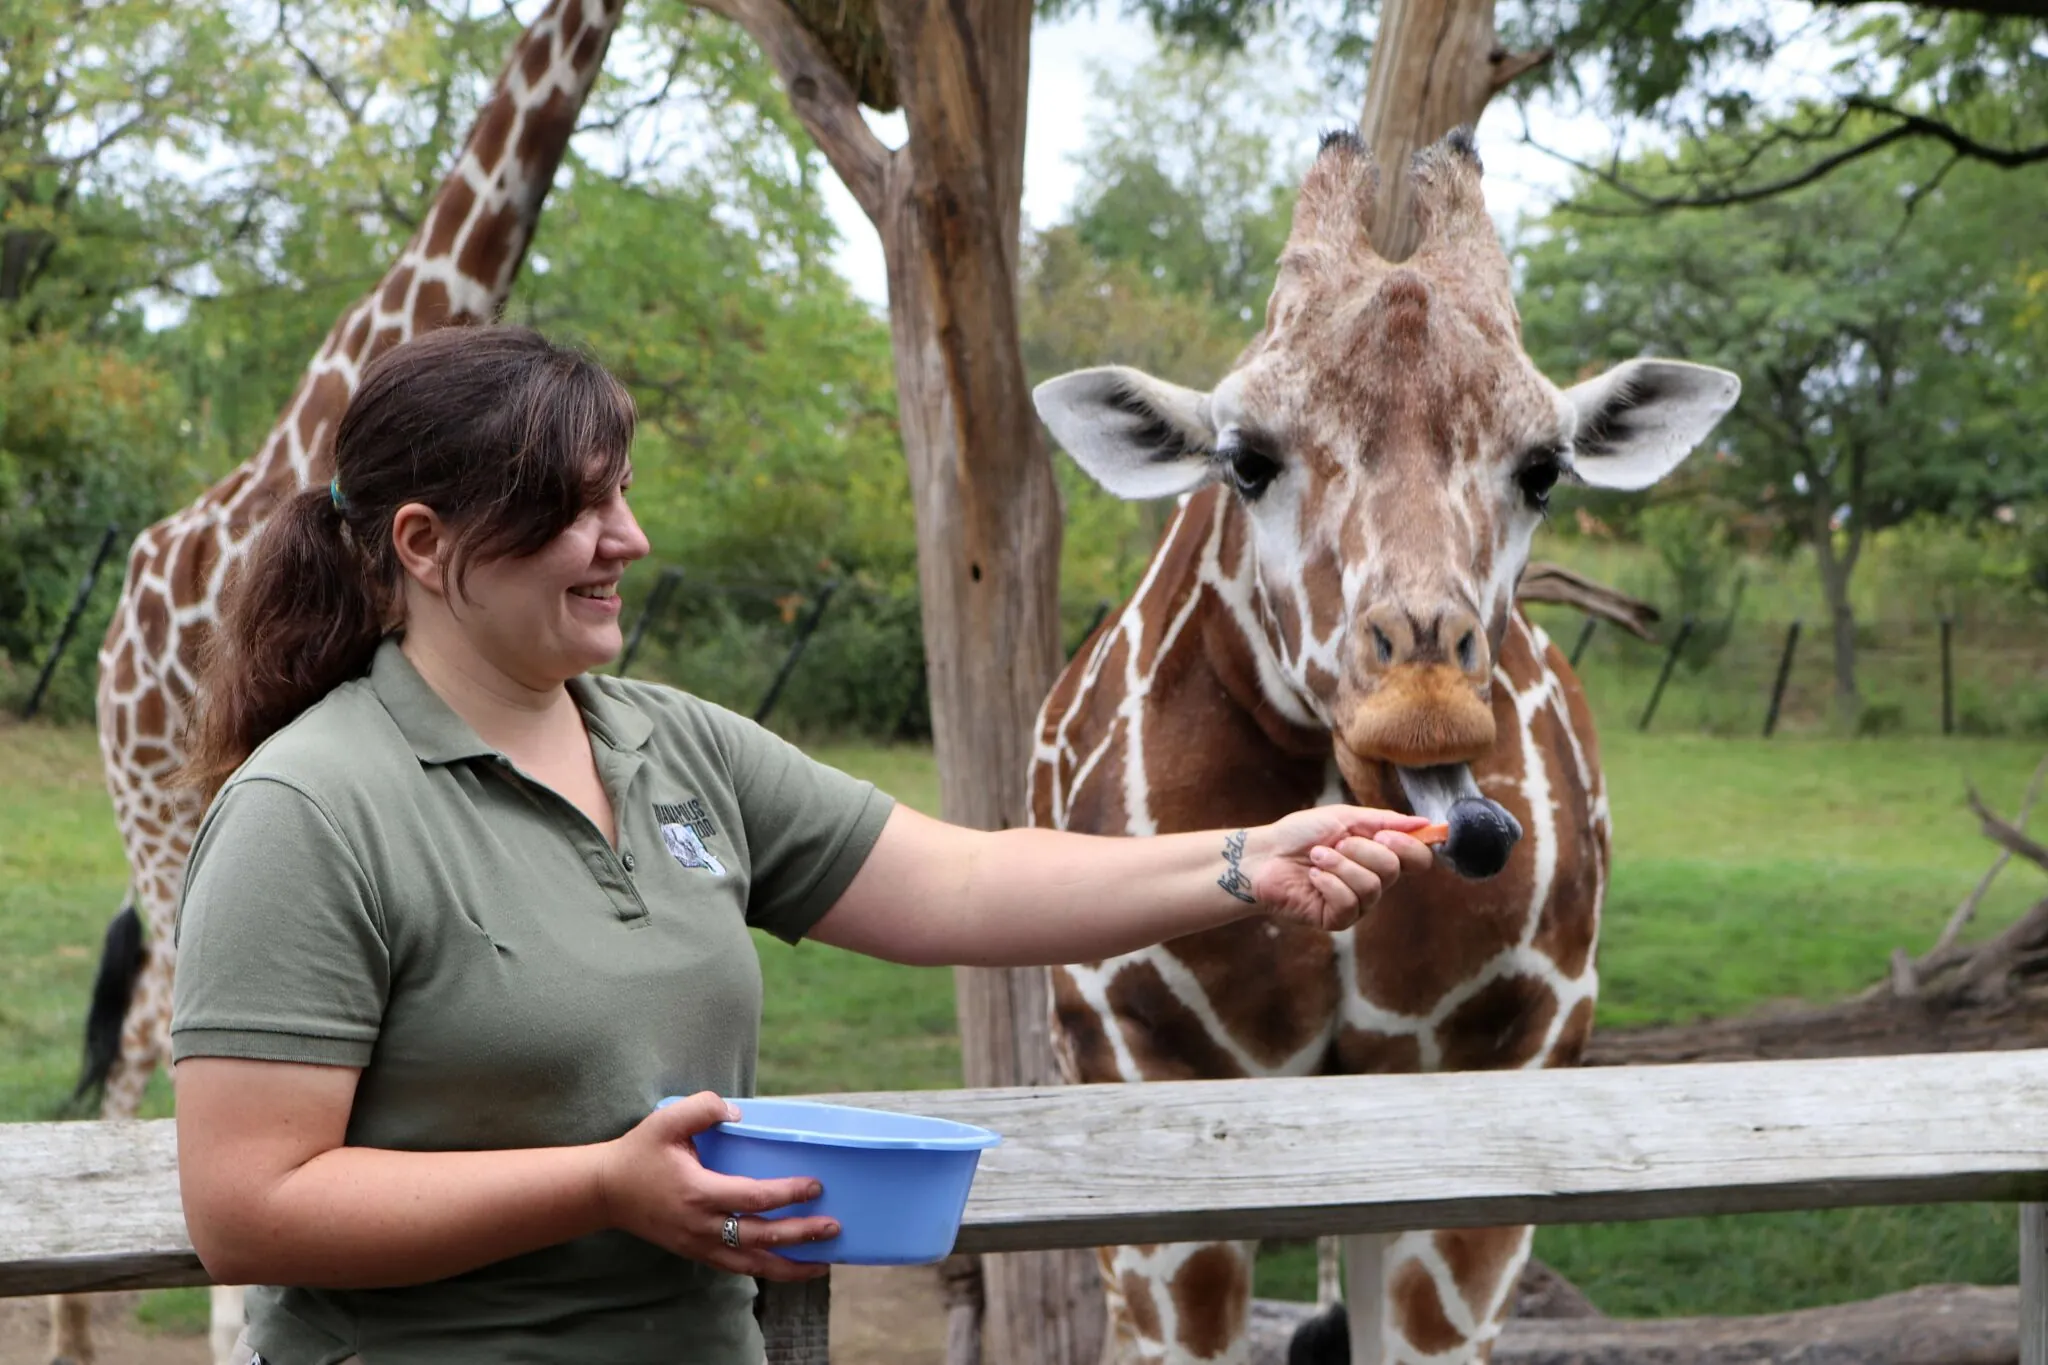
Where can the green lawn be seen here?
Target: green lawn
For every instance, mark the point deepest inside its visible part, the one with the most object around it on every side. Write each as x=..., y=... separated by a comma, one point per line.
x=1745, y=871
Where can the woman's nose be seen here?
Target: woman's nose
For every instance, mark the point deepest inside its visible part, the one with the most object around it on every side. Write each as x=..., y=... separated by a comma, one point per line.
x=623, y=537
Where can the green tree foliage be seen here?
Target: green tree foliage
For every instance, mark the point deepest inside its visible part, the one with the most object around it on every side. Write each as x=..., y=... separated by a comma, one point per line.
x=1882, y=349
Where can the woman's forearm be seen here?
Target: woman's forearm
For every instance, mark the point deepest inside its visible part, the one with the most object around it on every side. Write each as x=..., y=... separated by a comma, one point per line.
x=362, y=1217
x=1035, y=896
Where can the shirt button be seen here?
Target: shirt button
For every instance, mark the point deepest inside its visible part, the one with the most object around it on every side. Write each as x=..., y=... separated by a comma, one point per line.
x=628, y=861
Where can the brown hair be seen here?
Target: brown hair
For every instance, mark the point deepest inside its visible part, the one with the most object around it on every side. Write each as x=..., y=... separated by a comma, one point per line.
x=507, y=436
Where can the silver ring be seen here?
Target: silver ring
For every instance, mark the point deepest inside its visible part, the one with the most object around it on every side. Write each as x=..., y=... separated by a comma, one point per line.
x=730, y=1232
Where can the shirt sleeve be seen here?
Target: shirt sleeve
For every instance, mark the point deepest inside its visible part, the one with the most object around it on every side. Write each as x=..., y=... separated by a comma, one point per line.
x=281, y=950
x=809, y=825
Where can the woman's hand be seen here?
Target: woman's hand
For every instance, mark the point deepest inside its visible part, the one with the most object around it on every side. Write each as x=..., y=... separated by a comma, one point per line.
x=653, y=1186
x=1327, y=866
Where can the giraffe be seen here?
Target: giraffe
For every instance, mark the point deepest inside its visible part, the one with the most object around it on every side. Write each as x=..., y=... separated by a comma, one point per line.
x=456, y=270
x=1332, y=613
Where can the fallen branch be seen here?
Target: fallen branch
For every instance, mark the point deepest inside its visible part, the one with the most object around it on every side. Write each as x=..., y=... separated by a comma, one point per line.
x=1931, y=1325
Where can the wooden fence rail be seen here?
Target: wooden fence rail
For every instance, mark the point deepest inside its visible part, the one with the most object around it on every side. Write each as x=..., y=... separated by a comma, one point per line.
x=94, y=1206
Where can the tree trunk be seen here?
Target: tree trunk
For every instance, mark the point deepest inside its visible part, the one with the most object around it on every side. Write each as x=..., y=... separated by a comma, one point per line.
x=988, y=525
x=1435, y=65
x=947, y=205
x=1834, y=586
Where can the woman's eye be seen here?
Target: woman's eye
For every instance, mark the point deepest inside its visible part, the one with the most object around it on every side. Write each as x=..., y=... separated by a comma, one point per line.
x=1537, y=478
x=1250, y=471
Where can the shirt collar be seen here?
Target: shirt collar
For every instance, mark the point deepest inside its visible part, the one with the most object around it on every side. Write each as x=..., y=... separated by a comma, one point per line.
x=438, y=735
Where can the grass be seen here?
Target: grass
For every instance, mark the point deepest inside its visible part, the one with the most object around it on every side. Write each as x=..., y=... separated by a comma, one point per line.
x=1746, y=871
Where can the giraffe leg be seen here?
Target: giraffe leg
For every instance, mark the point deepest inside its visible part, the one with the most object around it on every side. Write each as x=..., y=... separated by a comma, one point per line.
x=145, y=1036
x=1182, y=1303
x=70, y=1334
x=228, y=1323
x=1445, y=1295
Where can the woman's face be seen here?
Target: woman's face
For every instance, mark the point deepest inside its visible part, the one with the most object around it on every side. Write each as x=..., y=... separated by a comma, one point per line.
x=551, y=615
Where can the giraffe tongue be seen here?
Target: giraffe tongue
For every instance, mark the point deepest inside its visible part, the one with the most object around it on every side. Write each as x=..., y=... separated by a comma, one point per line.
x=1483, y=834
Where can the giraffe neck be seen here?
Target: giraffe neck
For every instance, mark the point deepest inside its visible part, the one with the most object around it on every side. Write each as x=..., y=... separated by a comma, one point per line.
x=461, y=261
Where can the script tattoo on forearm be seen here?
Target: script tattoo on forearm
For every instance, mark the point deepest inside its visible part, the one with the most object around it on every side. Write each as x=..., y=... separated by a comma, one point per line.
x=1233, y=879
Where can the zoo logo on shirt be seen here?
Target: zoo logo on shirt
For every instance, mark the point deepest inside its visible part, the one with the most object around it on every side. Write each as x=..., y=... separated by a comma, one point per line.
x=683, y=830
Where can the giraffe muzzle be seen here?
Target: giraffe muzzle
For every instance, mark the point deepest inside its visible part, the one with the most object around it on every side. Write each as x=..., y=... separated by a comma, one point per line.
x=1483, y=833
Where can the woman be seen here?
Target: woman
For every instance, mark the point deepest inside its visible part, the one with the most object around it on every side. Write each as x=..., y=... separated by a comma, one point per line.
x=461, y=914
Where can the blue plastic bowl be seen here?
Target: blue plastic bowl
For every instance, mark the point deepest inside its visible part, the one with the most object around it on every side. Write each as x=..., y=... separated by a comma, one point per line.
x=896, y=1183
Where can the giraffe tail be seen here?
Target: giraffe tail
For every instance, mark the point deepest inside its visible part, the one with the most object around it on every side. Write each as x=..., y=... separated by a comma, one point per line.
x=1324, y=1339
x=113, y=986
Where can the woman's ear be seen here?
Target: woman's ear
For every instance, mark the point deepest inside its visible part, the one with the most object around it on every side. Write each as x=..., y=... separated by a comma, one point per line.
x=421, y=542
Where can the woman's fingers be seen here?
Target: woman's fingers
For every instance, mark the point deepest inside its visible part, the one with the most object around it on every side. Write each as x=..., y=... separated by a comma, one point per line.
x=1414, y=855
x=736, y=1194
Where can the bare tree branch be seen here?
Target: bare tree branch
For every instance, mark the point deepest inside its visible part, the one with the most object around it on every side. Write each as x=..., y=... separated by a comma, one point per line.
x=2003, y=834
x=1967, y=910
x=2011, y=9
x=820, y=95
x=1906, y=125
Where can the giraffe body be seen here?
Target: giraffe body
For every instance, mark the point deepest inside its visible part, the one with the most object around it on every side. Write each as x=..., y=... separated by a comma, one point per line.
x=457, y=269
x=1330, y=616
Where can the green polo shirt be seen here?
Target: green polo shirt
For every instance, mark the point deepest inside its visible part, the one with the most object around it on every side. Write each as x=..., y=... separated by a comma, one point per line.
x=378, y=888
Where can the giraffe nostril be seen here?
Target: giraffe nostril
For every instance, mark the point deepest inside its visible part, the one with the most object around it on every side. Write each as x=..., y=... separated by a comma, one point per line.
x=1468, y=652
x=1382, y=646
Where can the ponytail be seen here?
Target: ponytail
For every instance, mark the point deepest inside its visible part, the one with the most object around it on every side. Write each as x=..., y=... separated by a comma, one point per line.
x=301, y=616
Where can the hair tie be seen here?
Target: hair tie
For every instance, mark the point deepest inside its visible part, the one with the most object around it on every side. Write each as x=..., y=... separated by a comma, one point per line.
x=334, y=494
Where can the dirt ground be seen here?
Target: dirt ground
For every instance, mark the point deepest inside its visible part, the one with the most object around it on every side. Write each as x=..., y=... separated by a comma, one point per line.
x=879, y=1317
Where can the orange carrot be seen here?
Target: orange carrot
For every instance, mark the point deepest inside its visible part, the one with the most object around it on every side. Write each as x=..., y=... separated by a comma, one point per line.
x=1432, y=834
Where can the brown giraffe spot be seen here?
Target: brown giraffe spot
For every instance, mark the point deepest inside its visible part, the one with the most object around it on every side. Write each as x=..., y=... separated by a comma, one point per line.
x=1502, y=1026
x=430, y=307
x=1138, y=1305
x=1167, y=1041
x=1571, y=1039
x=545, y=131
x=323, y=406
x=1230, y=543
x=533, y=62
x=1322, y=683
x=191, y=562
x=457, y=199
x=1324, y=580
x=1176, y=579
x=149, y=713
x=124, y=669
x=490, y=244
x=384, y=340
x=572, y=23
x=1210, y=1295
x=120, y=727
x=1276, y=1013
x=149, y=756
x=586, y=50
x=1367, y=1052
x=358, y=335
x=396, y=288
x=1287, y=617
x=1094, y=1061
x=1429, y=935
x=1098, y=802
x=1478, y=1257
x=153, y=619
x=1419, y=1313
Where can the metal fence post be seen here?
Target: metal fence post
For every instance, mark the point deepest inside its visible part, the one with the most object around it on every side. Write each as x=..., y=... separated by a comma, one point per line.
x=85, y=586
x=1585, y=634
x=1670, y=662
x=1784, y=675
x=657, y=602
x=1948, y=676
x=796, y=649
x=1101, y=610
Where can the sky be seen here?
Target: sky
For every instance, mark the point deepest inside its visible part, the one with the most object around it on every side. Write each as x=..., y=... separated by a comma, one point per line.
x=1063, y=108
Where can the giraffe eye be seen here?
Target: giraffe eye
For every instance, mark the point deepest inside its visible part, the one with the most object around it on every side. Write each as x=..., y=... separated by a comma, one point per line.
x=1249, y=468
x=1537, y=476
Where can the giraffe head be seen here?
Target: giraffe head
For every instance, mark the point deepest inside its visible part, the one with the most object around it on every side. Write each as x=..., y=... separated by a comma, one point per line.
x=1390, y=448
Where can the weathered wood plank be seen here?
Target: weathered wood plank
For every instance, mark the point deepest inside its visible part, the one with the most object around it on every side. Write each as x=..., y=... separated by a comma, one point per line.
x=94, y=1206
x=796, y=1322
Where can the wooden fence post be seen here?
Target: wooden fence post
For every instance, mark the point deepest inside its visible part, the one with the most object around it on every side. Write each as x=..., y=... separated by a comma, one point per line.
x=1784, y=676
x=1670, y=662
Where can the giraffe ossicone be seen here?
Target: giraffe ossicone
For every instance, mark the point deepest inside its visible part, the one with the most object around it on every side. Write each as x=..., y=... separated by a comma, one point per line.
x=1331, y=615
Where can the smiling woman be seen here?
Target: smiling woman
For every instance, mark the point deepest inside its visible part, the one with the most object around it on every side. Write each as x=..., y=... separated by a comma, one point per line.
x=462, y=911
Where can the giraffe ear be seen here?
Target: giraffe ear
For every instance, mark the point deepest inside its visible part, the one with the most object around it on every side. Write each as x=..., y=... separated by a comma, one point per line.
x=1137, y=436
x=1639, y=421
